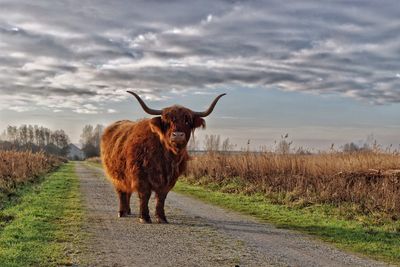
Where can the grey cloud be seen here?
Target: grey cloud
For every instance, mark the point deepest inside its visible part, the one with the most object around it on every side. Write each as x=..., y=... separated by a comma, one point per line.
x=54, y=49
x=33, y=44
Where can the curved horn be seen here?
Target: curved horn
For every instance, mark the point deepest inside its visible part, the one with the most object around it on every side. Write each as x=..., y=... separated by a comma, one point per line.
x=210, y=109
x=144, y=106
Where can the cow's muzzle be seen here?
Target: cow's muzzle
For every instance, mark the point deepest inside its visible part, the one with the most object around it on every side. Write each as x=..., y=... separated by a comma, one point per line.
x=178, y=137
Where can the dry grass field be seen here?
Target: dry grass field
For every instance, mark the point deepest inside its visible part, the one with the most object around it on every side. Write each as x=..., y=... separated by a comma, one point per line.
x=369, y=179
x=20, y=167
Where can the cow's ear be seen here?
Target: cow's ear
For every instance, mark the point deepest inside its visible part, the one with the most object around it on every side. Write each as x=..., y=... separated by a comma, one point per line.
x=199, y=122
x=156, y=125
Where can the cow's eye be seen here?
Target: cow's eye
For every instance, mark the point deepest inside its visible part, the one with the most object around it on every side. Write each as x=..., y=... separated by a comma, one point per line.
x=187, y=122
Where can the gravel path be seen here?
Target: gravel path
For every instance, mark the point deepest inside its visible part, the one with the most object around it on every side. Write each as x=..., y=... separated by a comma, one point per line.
x=199, y=234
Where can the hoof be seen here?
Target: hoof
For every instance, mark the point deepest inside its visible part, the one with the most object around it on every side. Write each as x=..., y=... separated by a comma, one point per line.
x=163, y=221
x=122, y=214
x=144, y=221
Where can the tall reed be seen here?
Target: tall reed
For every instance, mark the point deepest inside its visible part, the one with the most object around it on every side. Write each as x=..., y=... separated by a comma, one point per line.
x=371, y=180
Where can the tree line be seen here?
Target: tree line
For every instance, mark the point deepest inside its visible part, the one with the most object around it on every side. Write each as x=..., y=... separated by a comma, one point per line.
x=35, y=138
x=38, y=138
x=90, y=140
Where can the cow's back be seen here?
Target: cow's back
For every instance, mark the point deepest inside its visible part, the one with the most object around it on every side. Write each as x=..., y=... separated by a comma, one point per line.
x=119, y=143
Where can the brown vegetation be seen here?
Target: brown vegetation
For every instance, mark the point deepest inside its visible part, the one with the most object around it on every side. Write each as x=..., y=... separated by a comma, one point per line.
x=19, y=167
x=370, y=180
x=94, y=160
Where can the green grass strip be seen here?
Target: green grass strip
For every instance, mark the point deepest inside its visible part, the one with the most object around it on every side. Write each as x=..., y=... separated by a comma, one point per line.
x=374, y=241
x=42, y=228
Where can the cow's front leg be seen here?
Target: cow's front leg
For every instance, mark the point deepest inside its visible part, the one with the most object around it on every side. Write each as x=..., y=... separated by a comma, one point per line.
x=160, y=201
x=144, y=206
x=123, y=209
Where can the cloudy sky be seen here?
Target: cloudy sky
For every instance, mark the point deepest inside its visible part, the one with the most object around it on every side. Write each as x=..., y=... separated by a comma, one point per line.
x=323, y=71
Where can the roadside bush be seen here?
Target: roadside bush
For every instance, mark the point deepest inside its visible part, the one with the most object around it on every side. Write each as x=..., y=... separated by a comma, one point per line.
x=19, y=167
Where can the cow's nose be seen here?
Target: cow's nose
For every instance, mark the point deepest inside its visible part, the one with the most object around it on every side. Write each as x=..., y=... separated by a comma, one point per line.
x=178, y=135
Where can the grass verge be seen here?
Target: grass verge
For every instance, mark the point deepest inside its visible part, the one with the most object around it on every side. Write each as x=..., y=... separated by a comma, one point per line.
x=43, y=227
x=381, y=242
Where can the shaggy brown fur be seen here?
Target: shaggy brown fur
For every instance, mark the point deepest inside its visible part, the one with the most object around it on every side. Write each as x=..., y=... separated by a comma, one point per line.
x=145, y=156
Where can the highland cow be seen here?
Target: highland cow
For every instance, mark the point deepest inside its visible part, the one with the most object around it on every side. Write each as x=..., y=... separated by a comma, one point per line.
x=149, y=155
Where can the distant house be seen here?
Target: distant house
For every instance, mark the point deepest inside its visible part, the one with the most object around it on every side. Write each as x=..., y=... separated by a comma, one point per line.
x=75, y=153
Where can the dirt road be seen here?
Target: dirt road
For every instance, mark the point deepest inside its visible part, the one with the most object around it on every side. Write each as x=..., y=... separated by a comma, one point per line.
x=199, y=234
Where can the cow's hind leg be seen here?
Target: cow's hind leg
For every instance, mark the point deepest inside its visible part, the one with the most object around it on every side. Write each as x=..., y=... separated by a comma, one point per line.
x=160, y=201
x=123, y=208
x=128, y=203
x=144, y=206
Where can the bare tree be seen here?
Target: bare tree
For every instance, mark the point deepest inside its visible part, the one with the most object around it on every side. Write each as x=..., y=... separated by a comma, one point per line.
x=284, y=144
x=12, y=134
x=193, y=146
x=212, y=143
x=23, y=134
x=90, y=140
x=31, y=135
x=227, y=145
